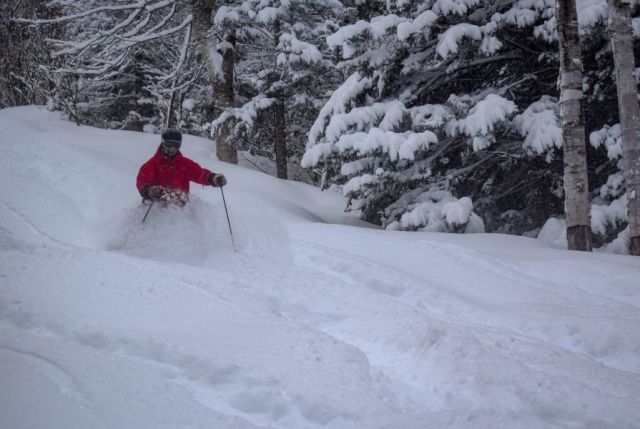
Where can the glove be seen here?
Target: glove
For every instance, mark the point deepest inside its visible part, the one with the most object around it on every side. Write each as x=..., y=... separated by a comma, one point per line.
x=153, y=192
x=217, y=180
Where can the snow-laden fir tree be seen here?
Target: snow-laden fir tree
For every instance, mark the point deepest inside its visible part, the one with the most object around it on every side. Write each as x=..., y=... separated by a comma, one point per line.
x=443, y=99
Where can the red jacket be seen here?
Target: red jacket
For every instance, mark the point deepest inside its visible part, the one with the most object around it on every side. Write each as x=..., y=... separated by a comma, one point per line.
x=172, y=173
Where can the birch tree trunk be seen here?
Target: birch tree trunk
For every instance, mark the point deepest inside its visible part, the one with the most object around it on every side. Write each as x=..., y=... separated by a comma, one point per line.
x=576, y=185
x=220, y=77
x=621, y=36
x=279, y=131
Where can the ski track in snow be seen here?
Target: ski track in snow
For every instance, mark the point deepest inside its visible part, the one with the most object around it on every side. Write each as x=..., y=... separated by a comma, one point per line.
x=387, y=361
x=308, y=325
x=61, y=378
x=225, y=389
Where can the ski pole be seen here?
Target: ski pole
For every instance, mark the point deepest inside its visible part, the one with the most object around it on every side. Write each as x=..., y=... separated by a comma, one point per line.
x=228, y=221
x=148, y=210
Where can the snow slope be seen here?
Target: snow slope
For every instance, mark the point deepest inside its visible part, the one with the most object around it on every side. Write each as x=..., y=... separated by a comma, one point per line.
x=318, y=321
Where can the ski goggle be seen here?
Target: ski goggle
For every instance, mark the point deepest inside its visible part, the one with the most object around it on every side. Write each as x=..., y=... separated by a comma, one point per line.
x=172, y=143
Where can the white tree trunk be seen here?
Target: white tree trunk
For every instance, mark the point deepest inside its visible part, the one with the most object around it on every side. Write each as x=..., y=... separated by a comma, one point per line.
x=576, y=185
x=220, y=76
x=621, y=35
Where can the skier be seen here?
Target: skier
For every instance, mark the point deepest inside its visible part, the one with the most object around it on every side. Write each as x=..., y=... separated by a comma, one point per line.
x=166, y=176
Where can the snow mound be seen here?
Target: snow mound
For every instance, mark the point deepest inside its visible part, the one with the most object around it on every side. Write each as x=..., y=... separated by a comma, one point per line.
x=554, y=231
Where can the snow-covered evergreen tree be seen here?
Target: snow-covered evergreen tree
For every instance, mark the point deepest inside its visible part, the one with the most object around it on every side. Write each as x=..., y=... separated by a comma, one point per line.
x=431, y=105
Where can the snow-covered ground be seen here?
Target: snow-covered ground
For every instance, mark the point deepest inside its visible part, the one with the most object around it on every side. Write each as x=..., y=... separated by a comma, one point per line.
x=317, y=321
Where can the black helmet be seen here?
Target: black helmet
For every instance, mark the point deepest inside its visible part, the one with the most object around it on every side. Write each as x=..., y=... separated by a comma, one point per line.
x=172, y=138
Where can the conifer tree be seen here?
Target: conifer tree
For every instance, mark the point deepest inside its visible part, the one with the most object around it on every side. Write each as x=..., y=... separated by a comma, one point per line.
x=429, y=111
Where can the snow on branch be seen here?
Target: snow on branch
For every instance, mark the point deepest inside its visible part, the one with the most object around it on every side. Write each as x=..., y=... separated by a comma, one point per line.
x=395, y=145
x=547, y=31
x=269, y=15
x=341, y=37
x=604, y=216
x=592, y=12
x=609, y=206
x=449, y=41
x=367, y=129
x=359, y=118
x=540, y=125
x=377, y=28
x=100, y=67
x=610, y=138
x=340, y=100
x=137, y=5
x=298, y=51
x=526, y=12
x=225, y=14
x=149, y=36
x=245, y=115
x=105, y=50
x=75, y=47
x=614, y=187
x=355, y=184
x=381, y=24
x=430, y=115
x=183, y=55
x=434, y=210
x=420, y=24
x=482, y=119
x=454, y=7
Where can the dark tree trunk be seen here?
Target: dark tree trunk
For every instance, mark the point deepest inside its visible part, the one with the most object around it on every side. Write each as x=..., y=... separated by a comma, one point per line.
x=224, y=95
x=279, y=130
x=280, y=140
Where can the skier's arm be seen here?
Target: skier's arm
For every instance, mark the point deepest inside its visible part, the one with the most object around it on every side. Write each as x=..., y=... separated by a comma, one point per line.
x=198, y=174
x=146, y=178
